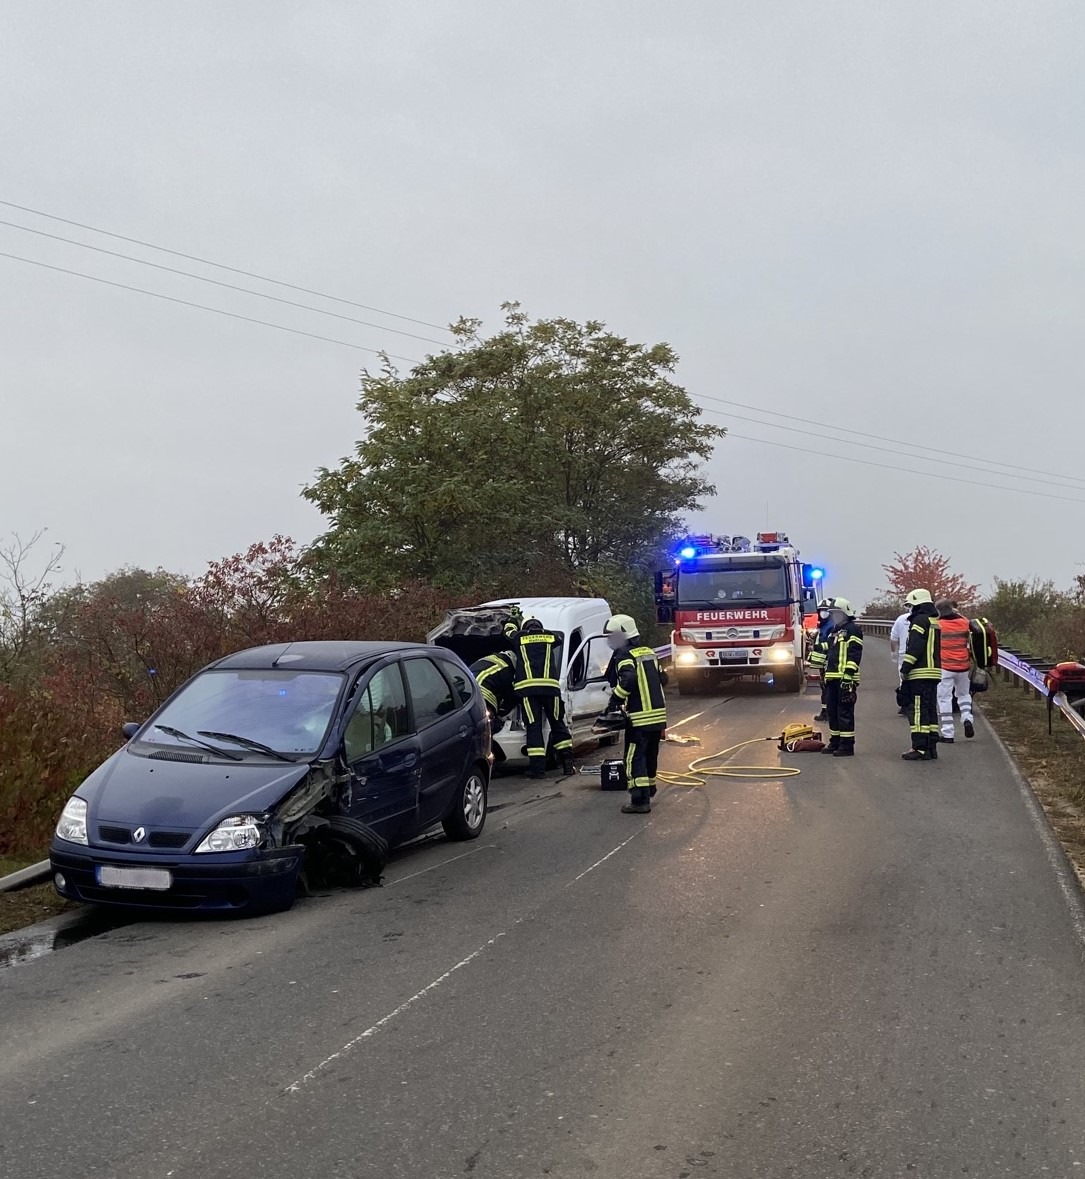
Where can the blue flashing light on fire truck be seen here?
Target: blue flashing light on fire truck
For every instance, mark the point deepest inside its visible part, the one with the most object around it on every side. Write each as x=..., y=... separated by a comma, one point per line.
x=738, y=609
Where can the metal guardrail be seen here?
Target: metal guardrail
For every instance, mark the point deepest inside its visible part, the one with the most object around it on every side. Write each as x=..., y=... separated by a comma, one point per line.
x=26, y=877
x=1029, y=669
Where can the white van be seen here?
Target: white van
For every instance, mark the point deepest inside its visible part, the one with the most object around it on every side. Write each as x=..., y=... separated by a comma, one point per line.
x=475, y=631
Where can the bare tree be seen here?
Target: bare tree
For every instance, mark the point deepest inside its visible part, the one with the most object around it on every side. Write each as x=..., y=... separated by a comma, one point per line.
x=25, y=585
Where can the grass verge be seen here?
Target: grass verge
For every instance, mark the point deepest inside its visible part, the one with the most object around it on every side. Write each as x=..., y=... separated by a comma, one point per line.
x=1054, y=765
x=18, y=909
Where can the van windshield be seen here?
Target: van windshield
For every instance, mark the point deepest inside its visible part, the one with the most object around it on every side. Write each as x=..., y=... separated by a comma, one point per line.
x=758, y=584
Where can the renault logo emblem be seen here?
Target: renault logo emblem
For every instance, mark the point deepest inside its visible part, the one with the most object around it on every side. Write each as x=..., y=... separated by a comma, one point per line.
x=139, y=834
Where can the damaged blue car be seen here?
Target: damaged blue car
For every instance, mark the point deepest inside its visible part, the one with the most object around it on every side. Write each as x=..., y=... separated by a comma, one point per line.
x=290, y=766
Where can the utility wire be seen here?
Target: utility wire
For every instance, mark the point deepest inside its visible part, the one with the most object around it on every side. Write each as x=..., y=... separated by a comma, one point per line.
x=905, y=470
x=135, y=241
x=218, y=283
x=881, y=438
x=204, y=307
x=889, y=450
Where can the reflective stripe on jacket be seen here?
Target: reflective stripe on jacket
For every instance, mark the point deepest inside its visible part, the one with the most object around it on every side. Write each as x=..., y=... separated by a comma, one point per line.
x=495, y=675
x=922, y=659
x=956, y=650
x=845, y=653
x=538, y=664
x=640, y=686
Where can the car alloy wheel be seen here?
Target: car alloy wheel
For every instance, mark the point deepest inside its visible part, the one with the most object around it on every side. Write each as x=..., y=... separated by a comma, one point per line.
x=467, y=815
x=474, y=802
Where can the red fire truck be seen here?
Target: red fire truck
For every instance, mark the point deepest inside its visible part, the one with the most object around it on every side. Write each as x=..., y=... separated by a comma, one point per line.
x=737, y=609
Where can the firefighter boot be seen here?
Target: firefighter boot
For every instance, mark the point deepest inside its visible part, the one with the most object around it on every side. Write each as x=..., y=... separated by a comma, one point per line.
x=567, y=766
x=537, y=768
x=639, y=802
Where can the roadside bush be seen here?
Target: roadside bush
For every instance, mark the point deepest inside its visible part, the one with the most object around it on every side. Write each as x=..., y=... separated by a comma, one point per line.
x=1036, y=617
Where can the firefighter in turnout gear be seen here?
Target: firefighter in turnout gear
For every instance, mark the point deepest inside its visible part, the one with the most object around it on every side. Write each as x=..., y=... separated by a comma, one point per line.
x=921, y=672
x=842, y=677
x=538, y=665
x=819, y=652
x=496, y=676
x=638, y=690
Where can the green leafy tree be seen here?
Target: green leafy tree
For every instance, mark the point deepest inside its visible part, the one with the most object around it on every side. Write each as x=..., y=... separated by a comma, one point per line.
x=543, y=455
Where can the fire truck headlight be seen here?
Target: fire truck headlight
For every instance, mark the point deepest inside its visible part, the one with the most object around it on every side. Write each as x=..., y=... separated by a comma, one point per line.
x=685, y=657
x=781, y=655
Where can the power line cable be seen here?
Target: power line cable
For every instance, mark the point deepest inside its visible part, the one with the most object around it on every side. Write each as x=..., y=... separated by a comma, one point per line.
x=135, y=241
x=905, y=470
x=889, y=450
x=218, y=283
x=881, y=438
x=204, y=307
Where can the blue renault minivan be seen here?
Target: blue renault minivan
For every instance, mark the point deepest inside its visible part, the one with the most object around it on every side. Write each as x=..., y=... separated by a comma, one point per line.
x=266, y=761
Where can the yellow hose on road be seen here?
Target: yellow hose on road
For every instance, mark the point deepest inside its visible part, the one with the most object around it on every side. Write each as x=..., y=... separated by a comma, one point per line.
x=699, y=773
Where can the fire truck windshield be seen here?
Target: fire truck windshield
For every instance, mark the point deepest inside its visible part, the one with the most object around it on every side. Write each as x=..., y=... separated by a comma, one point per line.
x=758, y=584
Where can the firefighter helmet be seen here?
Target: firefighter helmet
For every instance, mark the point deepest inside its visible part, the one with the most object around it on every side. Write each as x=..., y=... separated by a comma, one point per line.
x=843, y=605
x=531, y=626
x=620, y=624
x=918, y=597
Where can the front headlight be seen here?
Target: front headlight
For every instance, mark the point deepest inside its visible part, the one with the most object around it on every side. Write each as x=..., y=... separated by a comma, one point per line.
x=781, y=654
x=686, y=657
x=73, y=821
x=237, y=833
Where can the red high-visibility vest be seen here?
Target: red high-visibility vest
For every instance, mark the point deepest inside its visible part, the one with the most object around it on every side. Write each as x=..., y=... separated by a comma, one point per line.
x=956, y=651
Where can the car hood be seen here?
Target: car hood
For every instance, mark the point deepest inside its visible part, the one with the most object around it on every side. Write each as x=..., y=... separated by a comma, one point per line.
x=128, y=789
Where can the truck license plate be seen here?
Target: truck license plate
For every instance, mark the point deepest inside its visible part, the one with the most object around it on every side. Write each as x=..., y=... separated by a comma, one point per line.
x=734, y=655
x=112, y=877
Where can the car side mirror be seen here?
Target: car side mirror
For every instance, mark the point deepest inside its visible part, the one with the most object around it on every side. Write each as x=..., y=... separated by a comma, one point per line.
x=130, y=729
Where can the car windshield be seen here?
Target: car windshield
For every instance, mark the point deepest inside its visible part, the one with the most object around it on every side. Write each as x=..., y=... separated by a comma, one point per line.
x=755, y=584
x=288, y=711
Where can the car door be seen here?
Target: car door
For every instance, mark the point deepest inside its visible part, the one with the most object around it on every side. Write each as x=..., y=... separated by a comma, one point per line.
x=383, y=753
x=587, y=690
x=444, y=733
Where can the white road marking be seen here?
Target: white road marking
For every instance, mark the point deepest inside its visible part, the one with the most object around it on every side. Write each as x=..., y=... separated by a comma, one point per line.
x=313, y=1073
x=612, y=852
x=434, y=867
x=372, y=1031
x=686, y=719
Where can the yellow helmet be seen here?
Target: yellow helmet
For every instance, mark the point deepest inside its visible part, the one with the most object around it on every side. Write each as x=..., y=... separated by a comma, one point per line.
x=918, y=597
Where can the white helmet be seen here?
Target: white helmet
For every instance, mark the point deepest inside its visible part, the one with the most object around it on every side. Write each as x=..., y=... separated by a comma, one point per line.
x=620, y=628
x=843, y=605
x=918, y=597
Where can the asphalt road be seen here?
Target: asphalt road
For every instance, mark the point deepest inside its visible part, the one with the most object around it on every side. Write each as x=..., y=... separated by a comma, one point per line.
x=873, y=969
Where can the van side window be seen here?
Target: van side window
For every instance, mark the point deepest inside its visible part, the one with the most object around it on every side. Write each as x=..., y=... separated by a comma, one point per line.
x=576, y=668
x=379, y=715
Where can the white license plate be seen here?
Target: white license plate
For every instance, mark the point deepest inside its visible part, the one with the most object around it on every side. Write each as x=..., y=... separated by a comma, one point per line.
x=157, y=878
x=733, y=654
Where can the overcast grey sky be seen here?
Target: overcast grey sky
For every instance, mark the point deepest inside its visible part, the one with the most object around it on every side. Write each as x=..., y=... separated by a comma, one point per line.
x=865, y=213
